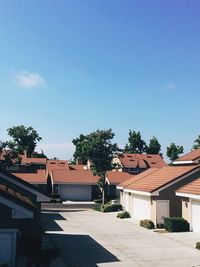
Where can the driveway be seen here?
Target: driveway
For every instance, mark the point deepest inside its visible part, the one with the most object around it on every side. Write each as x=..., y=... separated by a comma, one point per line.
x=87, y=238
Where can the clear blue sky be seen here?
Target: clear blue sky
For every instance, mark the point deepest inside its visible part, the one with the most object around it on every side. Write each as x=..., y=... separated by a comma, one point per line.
x=69, y=67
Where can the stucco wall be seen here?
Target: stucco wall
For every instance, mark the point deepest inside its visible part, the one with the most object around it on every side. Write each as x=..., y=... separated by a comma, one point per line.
x=186, y=209
x=175, y=206
x=153, y=211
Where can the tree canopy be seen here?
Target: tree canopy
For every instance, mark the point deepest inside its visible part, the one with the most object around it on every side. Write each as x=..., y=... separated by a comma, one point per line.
x=173, y=151
x=135, y=143
x=98, y=148
x=197, y=143
x=24, y=138
x=154, y=146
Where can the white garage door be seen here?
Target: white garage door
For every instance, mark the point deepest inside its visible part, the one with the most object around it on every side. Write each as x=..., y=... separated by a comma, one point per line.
x=141, y=207
x=6, y=247
x=75, y=192
x=195, y=220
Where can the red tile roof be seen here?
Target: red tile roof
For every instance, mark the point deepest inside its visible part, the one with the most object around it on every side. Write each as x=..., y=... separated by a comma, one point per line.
x=39, y=177
x=78, y=167
x=194, y=154
x=57, y=165
x=117, y=177
x=160, y=178
x=142, y=161
x=15, y=195
x=191, y=188
x=138, y=177
x=73, y=177
x=25, y=160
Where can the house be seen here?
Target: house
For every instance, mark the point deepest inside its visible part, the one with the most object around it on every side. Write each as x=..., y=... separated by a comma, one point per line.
x=113, y=179
x=151, y=194
x=136, y=163
x=74, y=185
x=28, y=164
x=190, y=196
x=192, y=157
x=20, y=206
x=38, y=178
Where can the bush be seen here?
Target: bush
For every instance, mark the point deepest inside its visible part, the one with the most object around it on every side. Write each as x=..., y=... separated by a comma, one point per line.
x=123, y=215
x=147, y=224
x=176, y=224
x=110, y=208
x=99, y=200
x=198, y=245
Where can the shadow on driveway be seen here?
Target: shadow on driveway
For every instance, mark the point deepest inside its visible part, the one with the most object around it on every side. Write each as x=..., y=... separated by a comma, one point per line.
x=49, y=219
x=81, y=250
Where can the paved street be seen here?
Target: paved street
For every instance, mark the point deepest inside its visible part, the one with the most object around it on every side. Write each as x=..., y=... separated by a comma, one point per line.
x=87, y=238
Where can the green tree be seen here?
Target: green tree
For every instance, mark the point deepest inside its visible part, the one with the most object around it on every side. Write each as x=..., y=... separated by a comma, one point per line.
x=154, y=146
x=9, y=154
x=174, y=151
x=24, y=138
x=197, y=143
x=135, y=143
x=97, y=147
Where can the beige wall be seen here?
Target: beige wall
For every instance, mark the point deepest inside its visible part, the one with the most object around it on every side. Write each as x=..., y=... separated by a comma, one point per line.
x=153, y=211
x=186, y=209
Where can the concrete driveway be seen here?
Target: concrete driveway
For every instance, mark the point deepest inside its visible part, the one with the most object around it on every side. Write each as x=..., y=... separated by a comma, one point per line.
x=87, y=238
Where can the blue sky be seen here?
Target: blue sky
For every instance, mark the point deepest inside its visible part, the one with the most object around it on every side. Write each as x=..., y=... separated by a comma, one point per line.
x=69, y=67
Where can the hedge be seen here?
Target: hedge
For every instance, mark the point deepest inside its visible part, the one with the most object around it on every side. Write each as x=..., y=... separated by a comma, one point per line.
x=176, y=224
x=198, y=245
x=110, y=208
x=147, y=224
x=123, y=215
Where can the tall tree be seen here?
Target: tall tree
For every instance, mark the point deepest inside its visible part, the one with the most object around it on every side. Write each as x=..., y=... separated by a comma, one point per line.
x=154, y=146
x=9, y=154
x=197, y=143
x=25, y=138
x=135, y=143
x=98, y=147
x=174, y=151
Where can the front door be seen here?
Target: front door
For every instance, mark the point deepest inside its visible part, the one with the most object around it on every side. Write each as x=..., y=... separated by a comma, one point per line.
x=162, y=211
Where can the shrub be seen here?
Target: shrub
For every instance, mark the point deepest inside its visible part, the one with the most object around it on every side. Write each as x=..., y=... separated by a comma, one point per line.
x=110, y=208
x=123, y=215
x=176, y=224
x=198, y=245
x=99, y=200
x=147, y=224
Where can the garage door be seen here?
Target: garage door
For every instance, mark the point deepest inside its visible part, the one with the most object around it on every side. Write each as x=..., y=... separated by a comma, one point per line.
x=75, y=192
x=141, y=207
x=195, y=218
x=6, y=248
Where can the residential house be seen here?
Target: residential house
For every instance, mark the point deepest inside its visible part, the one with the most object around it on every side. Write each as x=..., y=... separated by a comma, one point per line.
x=113, y=179
x=151, y=194
x=192, y=157
x=74, y=185
x=20, y=206
x=190, y=196
x=136, y=163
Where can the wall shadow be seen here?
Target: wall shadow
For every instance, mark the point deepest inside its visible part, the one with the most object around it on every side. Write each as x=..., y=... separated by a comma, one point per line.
x=81, y=250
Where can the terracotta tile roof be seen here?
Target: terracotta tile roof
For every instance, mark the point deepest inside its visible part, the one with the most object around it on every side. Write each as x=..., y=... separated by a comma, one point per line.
x=194, y=154
x=73, y=177
x=191, y=188
x=38, y=177
x=57, y=165
x=117, y=177
x=25, y=160
x=160, y=178
x=78, y=167
x=142, y=161
x=11, y=193
x=138, y=177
